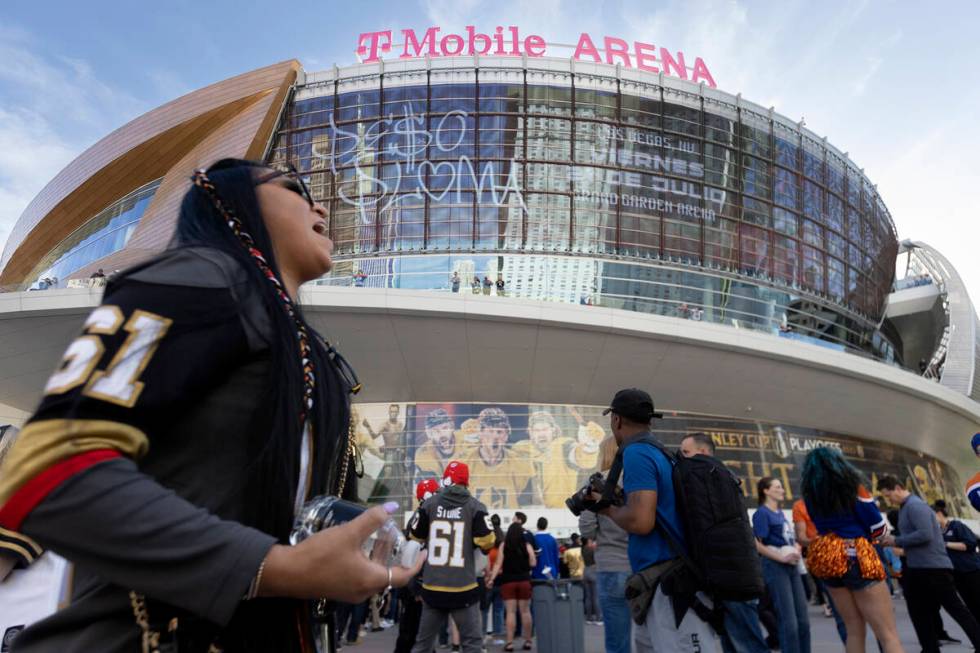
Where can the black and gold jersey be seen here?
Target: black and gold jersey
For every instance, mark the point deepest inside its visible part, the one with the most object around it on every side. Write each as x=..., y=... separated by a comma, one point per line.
x=454, y=525
x=136, y=465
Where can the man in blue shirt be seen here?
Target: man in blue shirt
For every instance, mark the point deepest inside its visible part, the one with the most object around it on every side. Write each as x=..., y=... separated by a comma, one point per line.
x=649, y=491
x=546, y=548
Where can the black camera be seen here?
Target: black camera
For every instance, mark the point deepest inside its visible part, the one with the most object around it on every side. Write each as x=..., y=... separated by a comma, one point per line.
x=580, y=501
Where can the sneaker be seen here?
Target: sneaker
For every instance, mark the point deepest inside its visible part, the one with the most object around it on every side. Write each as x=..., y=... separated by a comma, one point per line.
x=498, y=642
x=597, y=622
x=455, y=648
x=826, y=611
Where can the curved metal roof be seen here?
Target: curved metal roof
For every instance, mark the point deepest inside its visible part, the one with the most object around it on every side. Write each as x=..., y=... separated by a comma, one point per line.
x=959, y=350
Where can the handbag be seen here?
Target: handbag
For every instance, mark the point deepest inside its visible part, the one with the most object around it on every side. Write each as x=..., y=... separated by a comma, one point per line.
x=641, y=586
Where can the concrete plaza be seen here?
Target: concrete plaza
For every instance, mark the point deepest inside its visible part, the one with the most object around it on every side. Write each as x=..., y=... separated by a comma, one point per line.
x=823, y=636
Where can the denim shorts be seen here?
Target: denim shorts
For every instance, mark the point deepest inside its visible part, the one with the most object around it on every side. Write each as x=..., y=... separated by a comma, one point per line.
x=851, y=579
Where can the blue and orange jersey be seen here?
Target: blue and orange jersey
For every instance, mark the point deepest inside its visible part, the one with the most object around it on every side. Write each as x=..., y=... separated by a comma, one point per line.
x=973, y=491
x=864, y=521
x=869, y=514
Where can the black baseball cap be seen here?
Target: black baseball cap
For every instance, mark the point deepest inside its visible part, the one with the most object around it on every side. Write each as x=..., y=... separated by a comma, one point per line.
x=633, y=404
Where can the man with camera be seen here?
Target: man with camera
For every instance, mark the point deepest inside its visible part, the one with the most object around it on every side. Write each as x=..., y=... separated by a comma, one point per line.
x=648, y=513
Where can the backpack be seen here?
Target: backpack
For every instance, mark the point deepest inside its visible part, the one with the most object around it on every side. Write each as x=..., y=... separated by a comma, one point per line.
x=720, y=549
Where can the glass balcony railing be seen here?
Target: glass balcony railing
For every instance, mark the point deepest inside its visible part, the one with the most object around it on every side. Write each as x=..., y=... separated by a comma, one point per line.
x=689, y=294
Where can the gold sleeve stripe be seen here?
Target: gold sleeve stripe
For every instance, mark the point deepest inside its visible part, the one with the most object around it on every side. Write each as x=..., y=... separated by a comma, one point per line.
x=19, y=551
x=14, y=537
x=45, y=443
x=443, y=588
x=485, y=541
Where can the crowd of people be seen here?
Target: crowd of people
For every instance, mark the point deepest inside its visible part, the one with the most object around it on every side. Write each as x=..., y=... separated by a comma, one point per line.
x=478, y=286
x=486, y=286
x=173, y=489
x=97, y=279
x=483, y=596
x=836, y=549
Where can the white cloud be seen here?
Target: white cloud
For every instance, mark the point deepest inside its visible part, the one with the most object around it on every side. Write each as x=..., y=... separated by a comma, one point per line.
x=930, y=189
x=874, y=62
x=718, y=31
x=168, y=84
x=859, y=85
x=29, y=156
x=555, y=20
x=451, y=13
x=53, y=107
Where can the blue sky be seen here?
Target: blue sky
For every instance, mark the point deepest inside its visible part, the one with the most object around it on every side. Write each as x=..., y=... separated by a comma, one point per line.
x=895, y=84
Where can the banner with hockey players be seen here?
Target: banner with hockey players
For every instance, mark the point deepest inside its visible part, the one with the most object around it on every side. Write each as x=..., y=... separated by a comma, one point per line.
x=535, y=456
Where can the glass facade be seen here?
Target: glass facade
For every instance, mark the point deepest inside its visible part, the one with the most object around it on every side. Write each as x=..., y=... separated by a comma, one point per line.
x=106, y=232
x=617, y=192
x=535, y=456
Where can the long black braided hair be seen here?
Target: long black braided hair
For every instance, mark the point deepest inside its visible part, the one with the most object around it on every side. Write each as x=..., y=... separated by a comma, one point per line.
x=223, y=194
x=221, y=211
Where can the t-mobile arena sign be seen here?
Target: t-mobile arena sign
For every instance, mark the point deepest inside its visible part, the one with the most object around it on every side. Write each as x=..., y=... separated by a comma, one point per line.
x=371, y=46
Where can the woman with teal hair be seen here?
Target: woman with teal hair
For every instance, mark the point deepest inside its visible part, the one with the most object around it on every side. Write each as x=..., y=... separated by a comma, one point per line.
x=842, y=555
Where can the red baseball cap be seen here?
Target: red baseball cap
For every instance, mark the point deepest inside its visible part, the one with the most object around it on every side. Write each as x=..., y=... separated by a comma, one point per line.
x=426, y=489
x=457, y=473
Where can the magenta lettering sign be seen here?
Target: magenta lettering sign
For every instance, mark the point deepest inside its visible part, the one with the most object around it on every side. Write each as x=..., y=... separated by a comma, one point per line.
x=508, y=42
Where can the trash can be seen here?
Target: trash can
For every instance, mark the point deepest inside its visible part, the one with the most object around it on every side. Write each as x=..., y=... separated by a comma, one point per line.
x=559, y=616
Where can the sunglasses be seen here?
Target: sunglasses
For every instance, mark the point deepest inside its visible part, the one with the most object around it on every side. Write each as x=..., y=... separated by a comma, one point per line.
x=294, y=182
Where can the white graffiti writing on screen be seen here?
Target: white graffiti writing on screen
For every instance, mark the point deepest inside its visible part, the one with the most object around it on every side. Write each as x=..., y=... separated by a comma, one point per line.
x=402, y=143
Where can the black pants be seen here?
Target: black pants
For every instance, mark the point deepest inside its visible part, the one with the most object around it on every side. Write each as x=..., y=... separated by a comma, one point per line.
x=968, y=585
x=927, y=588
x=349, y=617
x=767, y=617
x=408, y=625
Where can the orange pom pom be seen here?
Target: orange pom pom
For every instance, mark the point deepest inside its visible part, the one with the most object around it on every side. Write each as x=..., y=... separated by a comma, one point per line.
x=827, y=557
x=869, y=561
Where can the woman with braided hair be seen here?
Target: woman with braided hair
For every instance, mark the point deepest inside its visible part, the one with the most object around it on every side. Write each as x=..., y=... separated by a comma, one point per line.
x=842, y=555
x=183, y=430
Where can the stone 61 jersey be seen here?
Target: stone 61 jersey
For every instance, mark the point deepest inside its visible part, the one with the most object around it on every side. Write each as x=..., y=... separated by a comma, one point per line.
x=453, y=524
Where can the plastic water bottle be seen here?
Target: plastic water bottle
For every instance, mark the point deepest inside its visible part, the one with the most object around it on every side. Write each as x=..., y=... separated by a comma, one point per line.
x=386, y=545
